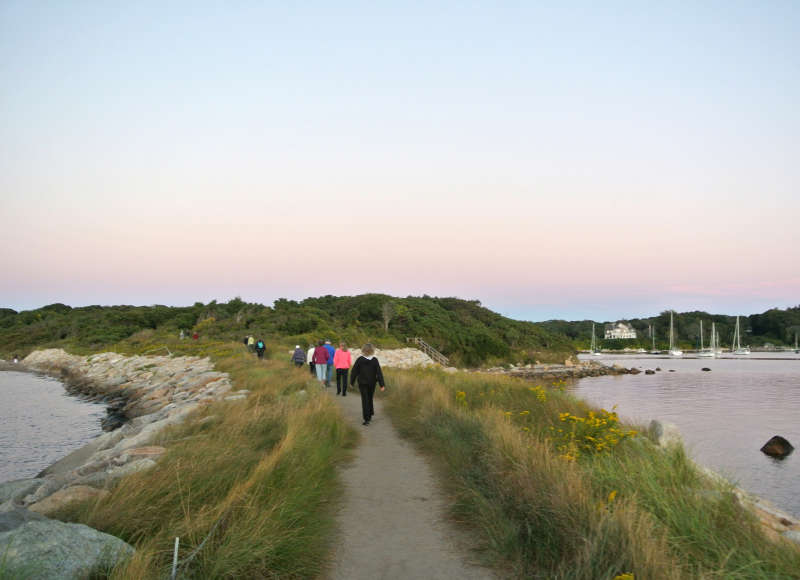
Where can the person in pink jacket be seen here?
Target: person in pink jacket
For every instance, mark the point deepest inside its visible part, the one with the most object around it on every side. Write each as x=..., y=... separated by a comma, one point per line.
x=341, y=360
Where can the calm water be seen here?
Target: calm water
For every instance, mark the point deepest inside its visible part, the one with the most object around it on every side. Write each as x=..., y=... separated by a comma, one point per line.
x=725, y=415
x=40, y=423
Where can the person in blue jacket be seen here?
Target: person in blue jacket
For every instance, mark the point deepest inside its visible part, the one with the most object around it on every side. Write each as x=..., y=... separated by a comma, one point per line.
x=329, y=370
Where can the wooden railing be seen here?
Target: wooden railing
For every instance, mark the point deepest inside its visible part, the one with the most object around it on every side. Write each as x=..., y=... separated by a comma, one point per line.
x=430, y=351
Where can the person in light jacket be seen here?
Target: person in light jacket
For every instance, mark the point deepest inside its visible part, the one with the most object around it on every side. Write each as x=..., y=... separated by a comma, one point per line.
x=367, y=371
x=310, y=358
x=341, y=360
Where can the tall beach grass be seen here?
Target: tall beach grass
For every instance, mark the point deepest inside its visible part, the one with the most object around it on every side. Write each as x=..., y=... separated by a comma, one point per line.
x=545, y=506
x=248, y=486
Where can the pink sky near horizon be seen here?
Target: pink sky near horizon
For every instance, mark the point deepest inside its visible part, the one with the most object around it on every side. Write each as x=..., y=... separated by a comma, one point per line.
x=553, y=162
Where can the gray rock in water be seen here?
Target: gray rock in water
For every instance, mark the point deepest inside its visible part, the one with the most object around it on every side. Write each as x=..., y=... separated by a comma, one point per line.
x=706, y=369
x=777, y=447
x=649, y=372
x=55, y=550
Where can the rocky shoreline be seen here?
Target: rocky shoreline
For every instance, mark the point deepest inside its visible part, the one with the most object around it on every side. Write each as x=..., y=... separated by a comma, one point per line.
x=145, y=394
x=571, y=369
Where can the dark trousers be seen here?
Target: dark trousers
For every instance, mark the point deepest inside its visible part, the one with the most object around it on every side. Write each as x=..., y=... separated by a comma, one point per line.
x=260, y=352
x=367, y=393
x=341, y=381
x=311, y=368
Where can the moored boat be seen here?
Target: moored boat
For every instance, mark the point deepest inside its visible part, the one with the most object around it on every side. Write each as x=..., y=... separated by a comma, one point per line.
x=736, y=346
x=673, y=350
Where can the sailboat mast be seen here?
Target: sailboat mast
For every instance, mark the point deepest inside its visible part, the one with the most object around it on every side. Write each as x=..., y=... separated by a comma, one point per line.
x=671, y=346
x=713, y=346
x=701, y=335
x=738, y=335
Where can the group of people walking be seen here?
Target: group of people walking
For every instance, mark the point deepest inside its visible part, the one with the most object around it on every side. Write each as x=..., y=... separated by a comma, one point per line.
x=323, y=359
x=256, y=346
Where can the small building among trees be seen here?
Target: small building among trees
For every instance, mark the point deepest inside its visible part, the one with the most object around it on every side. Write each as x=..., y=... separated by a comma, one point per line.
x=619, y=330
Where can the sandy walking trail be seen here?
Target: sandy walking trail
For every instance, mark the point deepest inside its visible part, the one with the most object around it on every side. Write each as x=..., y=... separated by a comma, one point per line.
x=393, y=523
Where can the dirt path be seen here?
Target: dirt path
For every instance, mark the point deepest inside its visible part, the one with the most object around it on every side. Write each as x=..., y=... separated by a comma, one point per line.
x=393, y=523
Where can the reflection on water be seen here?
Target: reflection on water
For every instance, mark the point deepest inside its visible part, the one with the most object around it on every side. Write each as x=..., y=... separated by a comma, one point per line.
x=725, y=415
x=40, y=423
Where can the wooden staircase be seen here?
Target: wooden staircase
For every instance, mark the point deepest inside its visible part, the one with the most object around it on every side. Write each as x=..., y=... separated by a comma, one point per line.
x=430, y=351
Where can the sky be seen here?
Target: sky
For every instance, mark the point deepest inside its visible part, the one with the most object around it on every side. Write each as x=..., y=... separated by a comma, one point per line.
x=575, y=160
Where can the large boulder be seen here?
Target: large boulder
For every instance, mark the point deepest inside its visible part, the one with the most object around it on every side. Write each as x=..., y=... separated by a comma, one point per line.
x=777, y=447
x=12, y=517
x=16, y=490
x=66, y=496
x=55, y=550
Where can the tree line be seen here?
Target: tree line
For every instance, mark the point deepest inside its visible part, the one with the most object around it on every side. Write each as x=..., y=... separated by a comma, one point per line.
x=463, y=330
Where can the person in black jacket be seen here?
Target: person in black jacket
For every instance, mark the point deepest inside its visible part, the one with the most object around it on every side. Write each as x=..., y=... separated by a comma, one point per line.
x=367, y=371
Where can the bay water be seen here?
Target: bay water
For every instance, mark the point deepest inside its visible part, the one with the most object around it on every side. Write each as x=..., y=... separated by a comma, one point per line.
x=40, y=423
x=725, y=415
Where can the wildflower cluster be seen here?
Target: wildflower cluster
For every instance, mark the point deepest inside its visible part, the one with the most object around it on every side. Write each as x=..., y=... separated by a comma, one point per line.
x=461, y=398
x=539, y=392
x=595, y=433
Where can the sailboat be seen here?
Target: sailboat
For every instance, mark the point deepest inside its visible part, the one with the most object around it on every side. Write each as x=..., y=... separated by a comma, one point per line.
x=673, y=350
x=716, y=346
x=593, y=348
x=653, y=335
x=706, y=352
x=736, y=346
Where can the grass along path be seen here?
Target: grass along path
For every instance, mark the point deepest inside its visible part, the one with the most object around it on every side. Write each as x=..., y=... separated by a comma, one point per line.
x=249, y=486
x=554, y=489
x=393, y=521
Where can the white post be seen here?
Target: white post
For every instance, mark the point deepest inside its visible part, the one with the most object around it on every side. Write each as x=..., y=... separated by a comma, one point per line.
x=175, y=559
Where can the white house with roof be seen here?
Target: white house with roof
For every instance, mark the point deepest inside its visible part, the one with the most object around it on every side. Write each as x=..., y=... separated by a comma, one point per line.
x=620, y=330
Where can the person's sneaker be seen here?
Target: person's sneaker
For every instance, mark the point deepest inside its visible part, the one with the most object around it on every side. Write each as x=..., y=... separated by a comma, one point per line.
x=365, y=423
x=344, y=394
